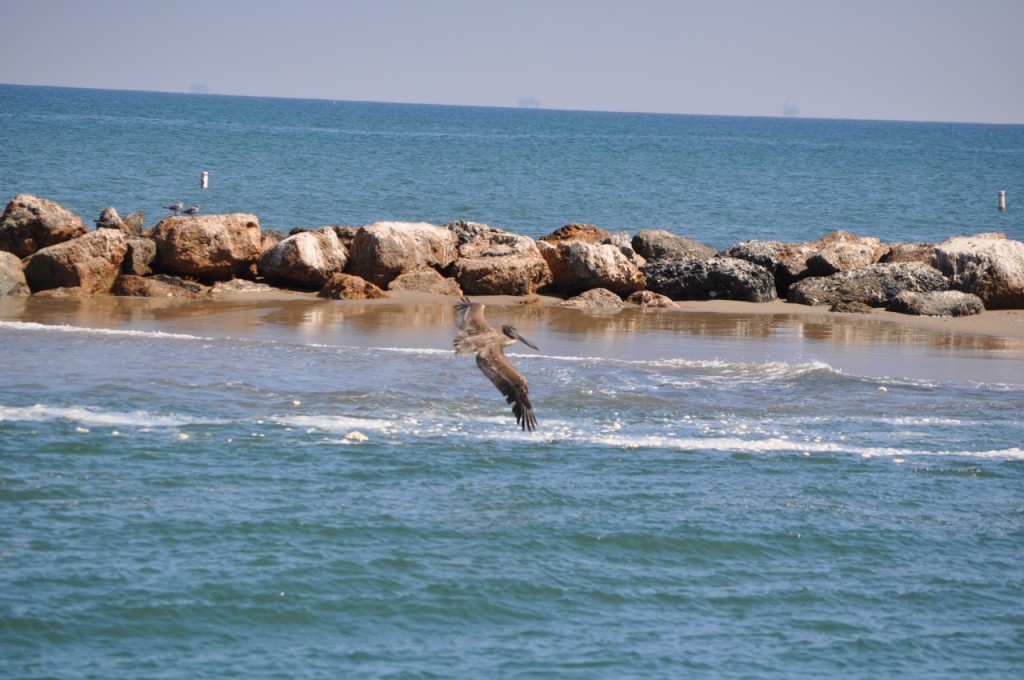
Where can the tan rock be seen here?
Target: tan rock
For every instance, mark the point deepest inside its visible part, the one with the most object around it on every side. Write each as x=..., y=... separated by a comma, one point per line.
x=501, y=263
x=587, y=233
x=909, y=252
x=12, y=276
x=91, y=262
x=987, y=265
x=842, y=251
x=595, y=298
x=349, y=287
x=155, y=286
x=30, y=224
x=382, y=251
x=208, y=246
x=577, y=266
x=425, y=281
x=308, y=259
x=647, y=298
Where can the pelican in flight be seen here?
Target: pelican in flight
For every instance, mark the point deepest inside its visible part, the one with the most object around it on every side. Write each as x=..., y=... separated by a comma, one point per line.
x=477, y=336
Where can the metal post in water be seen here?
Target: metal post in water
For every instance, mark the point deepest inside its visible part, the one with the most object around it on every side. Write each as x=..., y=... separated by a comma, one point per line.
x=205, y=181
x=1002, y=200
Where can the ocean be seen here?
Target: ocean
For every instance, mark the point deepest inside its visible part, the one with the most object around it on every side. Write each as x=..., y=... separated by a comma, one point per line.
x=308, y=163
x=297, y=488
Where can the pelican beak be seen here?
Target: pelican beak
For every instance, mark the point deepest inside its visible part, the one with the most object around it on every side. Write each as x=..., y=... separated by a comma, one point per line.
x=518, y=336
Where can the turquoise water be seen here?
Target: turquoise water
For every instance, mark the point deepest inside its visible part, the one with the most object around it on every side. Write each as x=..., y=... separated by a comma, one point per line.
x=309, y=162
x=306, y=489
x=295, y=490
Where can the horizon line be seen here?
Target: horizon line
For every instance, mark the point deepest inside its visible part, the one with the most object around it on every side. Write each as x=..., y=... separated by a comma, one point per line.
x=780, y=116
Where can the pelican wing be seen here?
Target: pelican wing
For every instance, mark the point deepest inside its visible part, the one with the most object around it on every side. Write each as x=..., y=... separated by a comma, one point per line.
x=475, y=332
x=510, y=382
x=469, y=317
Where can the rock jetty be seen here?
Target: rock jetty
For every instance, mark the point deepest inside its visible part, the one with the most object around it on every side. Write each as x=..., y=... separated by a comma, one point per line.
x=46, y=249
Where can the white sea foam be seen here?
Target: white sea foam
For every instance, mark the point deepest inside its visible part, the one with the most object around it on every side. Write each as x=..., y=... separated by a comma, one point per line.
x=615, y=434
x=65, y=328
x=339, y=424
x=84, y=415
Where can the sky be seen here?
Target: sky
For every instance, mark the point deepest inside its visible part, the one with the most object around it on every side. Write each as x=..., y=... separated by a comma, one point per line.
x=933, y=60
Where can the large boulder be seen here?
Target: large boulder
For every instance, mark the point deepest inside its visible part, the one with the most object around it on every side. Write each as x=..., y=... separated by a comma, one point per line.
x=208, y=246
x=787, y=262
x=382, y=251
x=30, y=224
x=500, y=263
x=938, y=303
x=987, y=265
x=577, y=266
x=658, y=244
x=842, y=251
x=12, y=276
x=874, y=286
x=722, y=278
x=91, y=262
x=307, y=259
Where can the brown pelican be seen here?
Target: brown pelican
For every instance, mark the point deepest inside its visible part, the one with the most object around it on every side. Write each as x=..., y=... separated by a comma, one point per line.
x=176, y=208
x=477, y=336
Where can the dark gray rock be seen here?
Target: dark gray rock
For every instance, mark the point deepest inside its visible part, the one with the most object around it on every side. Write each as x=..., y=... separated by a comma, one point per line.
x=471, y=231
x=874, y=285
x=787, y=262
x=722, y=278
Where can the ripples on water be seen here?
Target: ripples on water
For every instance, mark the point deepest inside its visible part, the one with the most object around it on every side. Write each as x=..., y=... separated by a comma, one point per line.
x=179, y=506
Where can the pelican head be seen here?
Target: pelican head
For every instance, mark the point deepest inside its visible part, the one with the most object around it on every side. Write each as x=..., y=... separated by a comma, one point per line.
x=511, y=332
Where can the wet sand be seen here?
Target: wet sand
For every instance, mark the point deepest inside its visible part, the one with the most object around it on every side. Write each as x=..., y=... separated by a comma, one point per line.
x=984, y=348
x=238, y=312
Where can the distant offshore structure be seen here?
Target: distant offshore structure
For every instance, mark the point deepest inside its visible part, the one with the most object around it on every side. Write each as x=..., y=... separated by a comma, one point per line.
x=790, y=111
x=529, y=103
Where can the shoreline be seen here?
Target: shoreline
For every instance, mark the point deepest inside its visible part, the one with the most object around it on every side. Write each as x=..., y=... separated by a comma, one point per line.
x=994, y=329
x=880, y=346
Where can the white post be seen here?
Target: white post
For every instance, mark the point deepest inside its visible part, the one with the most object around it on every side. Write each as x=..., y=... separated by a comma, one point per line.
x=205, y=181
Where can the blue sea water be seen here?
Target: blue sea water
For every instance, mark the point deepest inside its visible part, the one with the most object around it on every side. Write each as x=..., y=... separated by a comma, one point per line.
x=298, y=488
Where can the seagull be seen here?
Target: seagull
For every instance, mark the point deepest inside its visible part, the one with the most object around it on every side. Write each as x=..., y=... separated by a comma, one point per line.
x=193, y=210
x=176, y=208
x=477, y=336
